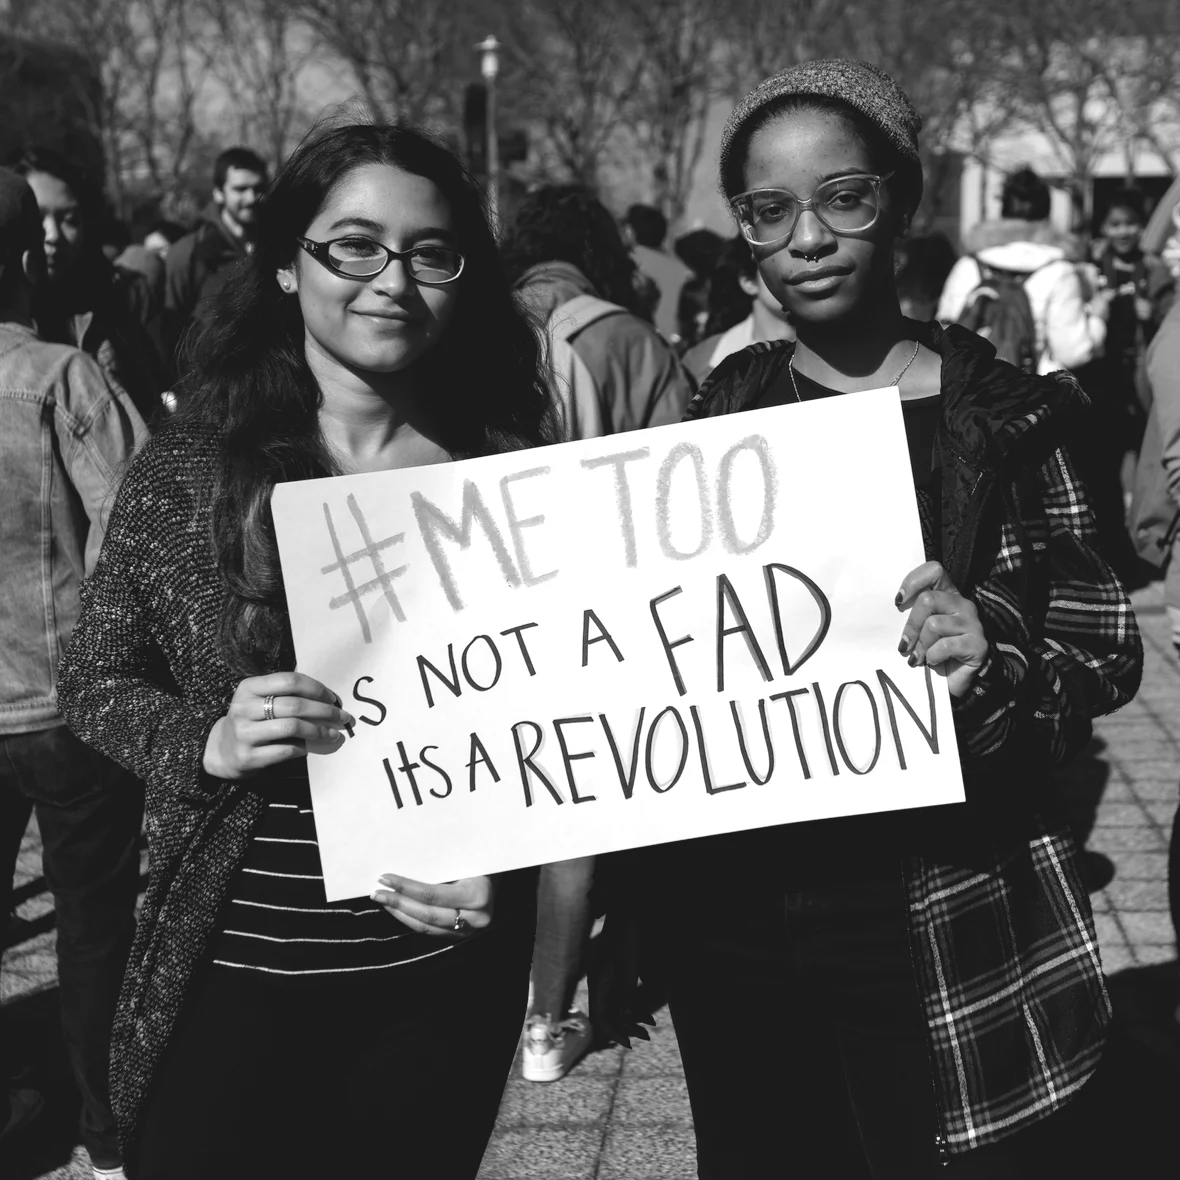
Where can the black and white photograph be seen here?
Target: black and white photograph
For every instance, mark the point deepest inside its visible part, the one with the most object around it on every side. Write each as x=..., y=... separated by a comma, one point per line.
x=587, y=589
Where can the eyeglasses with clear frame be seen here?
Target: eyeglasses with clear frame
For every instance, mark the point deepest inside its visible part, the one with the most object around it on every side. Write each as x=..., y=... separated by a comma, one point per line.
x=356, y=257
x=845, y=205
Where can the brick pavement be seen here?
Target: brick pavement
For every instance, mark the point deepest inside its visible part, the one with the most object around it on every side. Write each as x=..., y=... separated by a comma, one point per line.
x=626, y=1113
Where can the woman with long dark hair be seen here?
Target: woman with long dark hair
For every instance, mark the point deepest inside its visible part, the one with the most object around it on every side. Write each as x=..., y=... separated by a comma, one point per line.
x=881, y=994
x=86, y=301
x=262, y=1031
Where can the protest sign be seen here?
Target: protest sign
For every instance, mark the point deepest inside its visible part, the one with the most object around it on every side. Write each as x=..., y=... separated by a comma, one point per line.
x=615, y=642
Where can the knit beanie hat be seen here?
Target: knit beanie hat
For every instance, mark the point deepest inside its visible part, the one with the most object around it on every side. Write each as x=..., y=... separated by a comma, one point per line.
x=862, y=86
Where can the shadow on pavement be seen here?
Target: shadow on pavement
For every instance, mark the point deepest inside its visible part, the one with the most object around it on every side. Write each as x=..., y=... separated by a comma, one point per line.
x=1125, y=1117
x=1080, y=786
x=34, y=1025
x=1134, y=1098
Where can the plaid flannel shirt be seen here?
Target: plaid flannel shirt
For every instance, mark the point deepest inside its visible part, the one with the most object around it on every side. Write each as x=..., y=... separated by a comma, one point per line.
x=1004, y=1025
x=1005, y=952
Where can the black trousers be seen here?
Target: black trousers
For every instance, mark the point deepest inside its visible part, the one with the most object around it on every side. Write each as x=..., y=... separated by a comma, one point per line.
x=397, y=1074
x=803, y=1041
x=1112, y=426
x=89, y=811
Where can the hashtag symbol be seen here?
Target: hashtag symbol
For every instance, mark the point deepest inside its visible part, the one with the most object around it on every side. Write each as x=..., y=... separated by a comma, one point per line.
x=382, y=579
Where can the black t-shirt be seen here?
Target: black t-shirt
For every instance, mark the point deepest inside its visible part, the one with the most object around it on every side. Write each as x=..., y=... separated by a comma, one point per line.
x=920, y=415
x=862, y=847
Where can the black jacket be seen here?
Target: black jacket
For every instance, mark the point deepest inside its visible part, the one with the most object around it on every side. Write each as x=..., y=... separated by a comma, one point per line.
x=197, y=267
x=999, y=431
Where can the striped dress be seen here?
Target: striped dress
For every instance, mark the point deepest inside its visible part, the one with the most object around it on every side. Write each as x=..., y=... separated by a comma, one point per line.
x=276, y=921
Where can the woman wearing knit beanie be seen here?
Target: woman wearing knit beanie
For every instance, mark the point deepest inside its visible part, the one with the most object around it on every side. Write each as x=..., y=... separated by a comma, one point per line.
x=901, y=991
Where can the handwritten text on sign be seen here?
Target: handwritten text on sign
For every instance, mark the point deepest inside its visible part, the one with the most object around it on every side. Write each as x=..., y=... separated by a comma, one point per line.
x=615, y=642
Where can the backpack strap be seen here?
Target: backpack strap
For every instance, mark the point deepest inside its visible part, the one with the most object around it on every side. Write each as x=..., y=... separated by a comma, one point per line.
x=574, y=386
x=572, y=316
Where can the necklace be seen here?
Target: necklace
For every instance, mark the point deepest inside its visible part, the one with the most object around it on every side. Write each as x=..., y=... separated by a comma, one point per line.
x=900, y=375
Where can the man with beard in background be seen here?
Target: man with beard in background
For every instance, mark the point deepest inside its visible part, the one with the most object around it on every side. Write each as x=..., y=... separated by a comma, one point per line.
x=199, y=264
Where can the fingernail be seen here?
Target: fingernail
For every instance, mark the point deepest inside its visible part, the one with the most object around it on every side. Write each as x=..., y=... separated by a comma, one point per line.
x=912, y=659
x=375, y=895
x=902, y=647
x=349, y=719
x=388, y=881
x=339, y=702
x=899, y=599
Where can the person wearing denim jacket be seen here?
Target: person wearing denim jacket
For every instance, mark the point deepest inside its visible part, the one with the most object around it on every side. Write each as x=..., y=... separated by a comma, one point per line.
x=66, y=432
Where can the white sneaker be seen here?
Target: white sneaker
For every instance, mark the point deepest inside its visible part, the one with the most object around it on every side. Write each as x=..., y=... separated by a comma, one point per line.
x=109, y=1174
x=550, y=1050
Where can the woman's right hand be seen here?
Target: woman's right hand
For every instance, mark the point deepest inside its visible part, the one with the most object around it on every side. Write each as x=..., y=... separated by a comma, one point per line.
x=304, y=712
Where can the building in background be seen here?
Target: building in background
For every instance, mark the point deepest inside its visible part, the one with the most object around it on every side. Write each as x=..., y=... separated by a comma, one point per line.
x=1077, y=206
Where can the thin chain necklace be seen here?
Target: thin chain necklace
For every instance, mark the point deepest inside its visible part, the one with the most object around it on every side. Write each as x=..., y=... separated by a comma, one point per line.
x=900, y=375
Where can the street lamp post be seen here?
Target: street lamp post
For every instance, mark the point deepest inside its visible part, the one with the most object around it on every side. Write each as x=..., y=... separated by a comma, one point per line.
x=489, y=67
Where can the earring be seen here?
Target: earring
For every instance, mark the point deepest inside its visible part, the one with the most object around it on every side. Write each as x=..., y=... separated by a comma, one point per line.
x=285, y=285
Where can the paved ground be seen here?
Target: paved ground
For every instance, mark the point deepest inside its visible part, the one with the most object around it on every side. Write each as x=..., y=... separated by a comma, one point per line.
x=623, y=1114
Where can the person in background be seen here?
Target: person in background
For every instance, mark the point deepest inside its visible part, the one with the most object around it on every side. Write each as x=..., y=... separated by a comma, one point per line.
x=1140, y=289
x=262, y=1032
x=645, y=229
x=700, y=250
x=692, y=312
x=1069, y=322
x=86, y=301
x=147, y=257
x=162, y=236
x=613, y=372
x=1163, y=379
x=742, y=311
x=67, y=431
x=1143, y=286
x=199, y=263
x=923, y=264
x=573, y=273
x=1170, y=254
x=926, y=982
x=115, y=235
x=137, y=257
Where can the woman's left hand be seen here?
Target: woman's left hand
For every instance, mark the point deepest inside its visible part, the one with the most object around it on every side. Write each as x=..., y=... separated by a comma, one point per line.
x=943, y=629
x=455, y=909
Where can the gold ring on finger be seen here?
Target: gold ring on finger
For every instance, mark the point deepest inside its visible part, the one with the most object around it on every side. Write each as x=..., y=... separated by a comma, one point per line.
x=460, y=923
x=268, y=707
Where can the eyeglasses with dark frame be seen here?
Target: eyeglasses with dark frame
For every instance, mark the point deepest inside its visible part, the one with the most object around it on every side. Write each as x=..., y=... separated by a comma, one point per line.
x=845, y=205
x=356, y=257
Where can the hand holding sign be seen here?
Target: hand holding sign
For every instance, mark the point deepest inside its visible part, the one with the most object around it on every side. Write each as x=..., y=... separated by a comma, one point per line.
x=272, y=719
x=943, y=629
x=455, y=909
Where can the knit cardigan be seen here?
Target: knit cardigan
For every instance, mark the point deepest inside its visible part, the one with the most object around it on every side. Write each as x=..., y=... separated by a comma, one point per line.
x=144, y=681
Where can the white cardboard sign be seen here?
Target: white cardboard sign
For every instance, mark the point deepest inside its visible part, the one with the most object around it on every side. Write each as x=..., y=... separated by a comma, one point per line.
x=615, y=642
